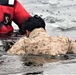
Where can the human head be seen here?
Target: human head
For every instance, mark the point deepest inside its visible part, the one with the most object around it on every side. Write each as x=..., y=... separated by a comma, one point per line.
x=31, y=23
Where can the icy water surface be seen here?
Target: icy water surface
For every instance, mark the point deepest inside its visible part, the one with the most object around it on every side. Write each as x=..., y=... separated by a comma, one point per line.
x=59, y=15
x=60, y=18
x=37, y=64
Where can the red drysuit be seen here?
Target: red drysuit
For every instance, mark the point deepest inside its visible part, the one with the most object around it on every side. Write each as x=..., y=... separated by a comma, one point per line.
x=11, y=10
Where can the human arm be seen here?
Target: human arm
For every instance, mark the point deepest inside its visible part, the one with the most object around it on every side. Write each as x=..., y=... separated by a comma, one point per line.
x=20, y=14
x=18, y=47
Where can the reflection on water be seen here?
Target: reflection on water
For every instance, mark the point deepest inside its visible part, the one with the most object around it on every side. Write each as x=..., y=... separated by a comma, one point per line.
x=12, y=64
x=31, y=64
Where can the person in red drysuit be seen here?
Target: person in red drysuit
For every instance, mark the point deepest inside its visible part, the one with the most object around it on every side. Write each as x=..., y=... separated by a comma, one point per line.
x=11, y=10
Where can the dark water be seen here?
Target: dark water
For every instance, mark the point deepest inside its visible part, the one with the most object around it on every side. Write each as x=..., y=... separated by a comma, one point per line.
x=12, y=64
x=40, y=64
x=34, y=64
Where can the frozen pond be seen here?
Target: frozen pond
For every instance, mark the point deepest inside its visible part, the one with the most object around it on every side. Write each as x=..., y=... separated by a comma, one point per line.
x=59, y=15
x=60, y=18
x=37, y=65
